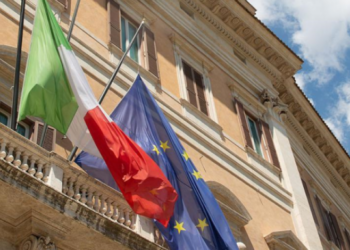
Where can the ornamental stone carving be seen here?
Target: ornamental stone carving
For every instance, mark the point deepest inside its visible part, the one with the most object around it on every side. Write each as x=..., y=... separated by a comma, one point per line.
x=274, y=103
x=37, y=243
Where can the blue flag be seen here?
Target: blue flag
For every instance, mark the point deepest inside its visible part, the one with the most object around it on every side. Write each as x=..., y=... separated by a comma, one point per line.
x=198, y=222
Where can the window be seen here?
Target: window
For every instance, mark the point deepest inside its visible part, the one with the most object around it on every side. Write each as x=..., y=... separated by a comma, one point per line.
x=254, y=136
x=257, y=135
x=195, y=88
x=122, y=29
x=330, y=225
x=128, y=32
x=3, y=119
x=22, y=129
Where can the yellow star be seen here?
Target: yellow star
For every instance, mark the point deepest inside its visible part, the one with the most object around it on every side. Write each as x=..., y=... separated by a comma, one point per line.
x=179, y=227
x=155, y=149
x=185, y=155
x=202, y=224
x=164, y=145
x=197, y=175
x=154, y=192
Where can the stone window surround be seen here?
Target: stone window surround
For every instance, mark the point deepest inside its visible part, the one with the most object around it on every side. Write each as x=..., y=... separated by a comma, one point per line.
x=184, y=52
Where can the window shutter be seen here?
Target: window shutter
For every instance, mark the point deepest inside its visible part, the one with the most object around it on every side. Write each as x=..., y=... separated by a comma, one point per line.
x=64, y=3
x=323, y=214
x=50, y=137
x=347, y=236
x=114, y=23
x=337, y=233
x=201, y=92
x=151, y=52
x=271, y=146
x=189, y=84
x=244, y=124
x=310, y=202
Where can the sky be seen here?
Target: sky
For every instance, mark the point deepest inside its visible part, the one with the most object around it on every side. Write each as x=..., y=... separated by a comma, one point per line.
x=318, y=31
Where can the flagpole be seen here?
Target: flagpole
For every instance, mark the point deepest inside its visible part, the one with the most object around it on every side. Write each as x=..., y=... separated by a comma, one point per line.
x=109, y=84
x=18, y=67
x=43, y=134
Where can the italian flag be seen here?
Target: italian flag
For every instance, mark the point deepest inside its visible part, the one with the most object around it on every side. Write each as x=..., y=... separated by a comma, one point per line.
x=56, y=90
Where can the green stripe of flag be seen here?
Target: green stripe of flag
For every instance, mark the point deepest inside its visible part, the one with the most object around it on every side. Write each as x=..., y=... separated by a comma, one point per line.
x=46, y=91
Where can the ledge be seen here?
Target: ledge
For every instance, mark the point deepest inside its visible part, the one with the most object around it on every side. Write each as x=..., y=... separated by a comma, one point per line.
x=204, y=118
x=263, y=162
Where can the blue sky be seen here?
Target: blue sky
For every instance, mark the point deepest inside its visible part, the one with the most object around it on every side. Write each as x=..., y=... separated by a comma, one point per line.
x=319, y=32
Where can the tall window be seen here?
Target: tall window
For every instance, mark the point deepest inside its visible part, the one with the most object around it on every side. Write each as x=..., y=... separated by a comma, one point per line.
x=330, y=225
x=121, y=31
x=195, y=88
x=255, y=137
x=128, y=32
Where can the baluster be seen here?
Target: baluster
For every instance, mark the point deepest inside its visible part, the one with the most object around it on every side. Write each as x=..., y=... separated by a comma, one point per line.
x=133, y=221
x=9, y=157
x=89, y=201
x=115, y=215
x=70, y=192
x=17, y=161
x=83, y=194
x=103, y=208
x=64, y=184
x=77, y=194
x=24, y=165
x=121, y=216
x=32, y=170
x=47, y=169
x=127, y=218
x=3, y=150
x=39, y=174
x=109, y=208
x=97, y=203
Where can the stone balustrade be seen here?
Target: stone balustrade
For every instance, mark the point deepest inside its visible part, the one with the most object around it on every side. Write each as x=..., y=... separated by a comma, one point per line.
x=56, y=172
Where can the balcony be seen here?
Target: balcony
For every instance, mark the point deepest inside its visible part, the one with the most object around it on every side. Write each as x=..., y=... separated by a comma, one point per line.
x=46, y=200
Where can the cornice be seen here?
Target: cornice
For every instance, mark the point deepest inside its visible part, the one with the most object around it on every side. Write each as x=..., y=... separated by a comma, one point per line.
x=315, y=129
x=219, y=15
x=294, y=125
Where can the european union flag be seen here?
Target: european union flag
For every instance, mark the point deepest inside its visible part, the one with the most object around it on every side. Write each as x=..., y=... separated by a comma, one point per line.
x=198, y=222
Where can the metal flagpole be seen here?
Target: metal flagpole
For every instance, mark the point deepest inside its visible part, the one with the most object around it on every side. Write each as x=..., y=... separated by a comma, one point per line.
x=43, y=134
x=18, y=68
x=75, y=149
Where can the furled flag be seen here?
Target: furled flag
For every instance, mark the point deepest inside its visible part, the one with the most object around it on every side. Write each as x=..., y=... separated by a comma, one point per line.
x=56, y=90
x=198, y=222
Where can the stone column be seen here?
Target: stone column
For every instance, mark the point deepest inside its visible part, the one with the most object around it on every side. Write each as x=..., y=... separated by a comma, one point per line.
x=301, y=213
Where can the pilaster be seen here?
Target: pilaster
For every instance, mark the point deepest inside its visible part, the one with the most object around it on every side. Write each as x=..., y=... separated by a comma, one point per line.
x=305, y=227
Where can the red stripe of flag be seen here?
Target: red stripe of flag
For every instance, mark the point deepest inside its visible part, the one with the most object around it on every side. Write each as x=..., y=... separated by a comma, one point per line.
x=143, y=184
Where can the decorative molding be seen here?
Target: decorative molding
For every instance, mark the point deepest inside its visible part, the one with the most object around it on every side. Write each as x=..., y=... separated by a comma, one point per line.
x=232, y=23
x=284, y=240
x=37, y=243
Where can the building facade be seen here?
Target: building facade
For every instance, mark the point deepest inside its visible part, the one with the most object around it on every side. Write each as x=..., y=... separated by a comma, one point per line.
x=225, y=83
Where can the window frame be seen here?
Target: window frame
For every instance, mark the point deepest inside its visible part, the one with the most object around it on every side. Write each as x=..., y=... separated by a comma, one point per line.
x=249, y=118
x=269, y=153
x=128, y=21
x=194, y=63
x=195, y=87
